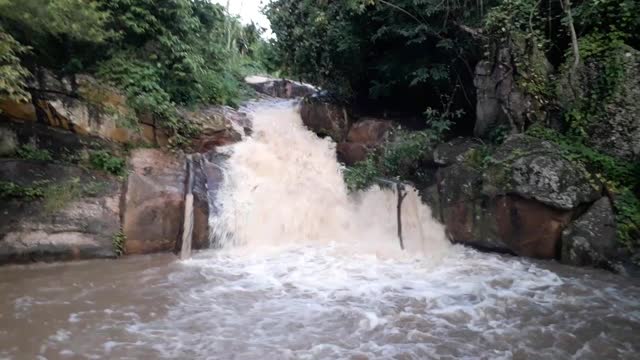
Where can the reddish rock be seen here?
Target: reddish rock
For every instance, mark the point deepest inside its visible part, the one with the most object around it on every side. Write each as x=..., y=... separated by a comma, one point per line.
x=370, y=132
x=325, y=117
x=210, y=140
x=351, y=153
x=530, y=228
x=154, y=201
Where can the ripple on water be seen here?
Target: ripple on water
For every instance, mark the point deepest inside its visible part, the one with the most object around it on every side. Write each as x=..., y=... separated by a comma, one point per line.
x=317, y=303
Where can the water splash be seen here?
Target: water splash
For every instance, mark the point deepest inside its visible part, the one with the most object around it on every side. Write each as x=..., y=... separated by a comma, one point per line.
x=284, y=187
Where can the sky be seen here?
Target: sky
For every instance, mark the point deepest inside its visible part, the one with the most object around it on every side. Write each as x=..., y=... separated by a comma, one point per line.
x=249, y=10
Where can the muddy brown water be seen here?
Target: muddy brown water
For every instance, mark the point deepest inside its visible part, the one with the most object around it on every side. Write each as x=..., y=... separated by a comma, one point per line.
x=310, y=302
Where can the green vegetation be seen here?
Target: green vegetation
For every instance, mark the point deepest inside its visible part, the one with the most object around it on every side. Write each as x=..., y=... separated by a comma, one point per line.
x=105, y=161
x=118, y=241
x=54, y=196
x=11, y=190
x=163, y=54
x=12, y=73
x=402, y=156
x=31, y=152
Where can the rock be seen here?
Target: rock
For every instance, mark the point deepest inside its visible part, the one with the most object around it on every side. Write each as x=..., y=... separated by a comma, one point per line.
x=8, y=141
x=62, y=145
x=79, y=104
x=536, y=169
x=454, y=151
x=77, y=219
x=18, y=111
x=219, y=126
x=208, y=179
x=500, y=101
x=431, y=197
x=325, y=116
x=281, y=88
x=369, y=132
x=503, y=223
x=154, y=202
x=352, y=153
x=529, y=228
x=591, y=239
x=615, y=130
x=463, y=209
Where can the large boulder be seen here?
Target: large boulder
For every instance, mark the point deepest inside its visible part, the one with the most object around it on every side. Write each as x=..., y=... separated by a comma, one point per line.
x=615, y=128
x=591, y=239
x=76, y=214
x=281, y=88
x=325, y=116
x=154, y=201
x=504, y=223
x=520, y=202
x=536, y=169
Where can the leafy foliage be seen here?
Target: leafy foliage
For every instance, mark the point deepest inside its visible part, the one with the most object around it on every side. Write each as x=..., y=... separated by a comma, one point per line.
x=105, y=161
x=11, y=190
x=401, y=157
x=12, y=73
x=403, y=51
x=119, y=239
x=31, y=152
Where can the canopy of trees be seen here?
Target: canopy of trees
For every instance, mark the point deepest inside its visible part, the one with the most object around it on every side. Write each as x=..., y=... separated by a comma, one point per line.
x=408, y=53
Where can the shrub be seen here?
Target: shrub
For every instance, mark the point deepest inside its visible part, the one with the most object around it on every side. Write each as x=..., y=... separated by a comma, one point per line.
x=31, y=152
x=105, y=161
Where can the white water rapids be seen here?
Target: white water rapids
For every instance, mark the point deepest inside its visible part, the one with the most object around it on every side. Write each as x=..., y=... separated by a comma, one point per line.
x=308, y=273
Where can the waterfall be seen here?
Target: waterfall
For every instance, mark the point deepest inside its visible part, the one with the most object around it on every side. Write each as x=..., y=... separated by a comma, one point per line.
x=187, y=232
x=284, y=186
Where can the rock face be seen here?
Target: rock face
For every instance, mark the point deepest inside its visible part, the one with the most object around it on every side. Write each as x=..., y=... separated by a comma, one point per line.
x=80, y=104
x=591, y=239
x=281, y=88
x=500, y=102
x=77, y=218
x=153, y=202
x=325, y=117
x=153, y=212
x=520, y=203
x=616, y=130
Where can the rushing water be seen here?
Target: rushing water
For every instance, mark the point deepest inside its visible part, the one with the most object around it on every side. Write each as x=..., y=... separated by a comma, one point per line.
x=308, y=272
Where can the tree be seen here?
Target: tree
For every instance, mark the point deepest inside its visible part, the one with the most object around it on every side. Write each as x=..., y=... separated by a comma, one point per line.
x=12, y=74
